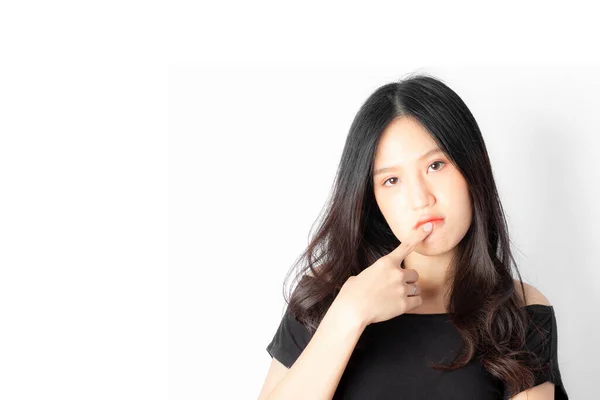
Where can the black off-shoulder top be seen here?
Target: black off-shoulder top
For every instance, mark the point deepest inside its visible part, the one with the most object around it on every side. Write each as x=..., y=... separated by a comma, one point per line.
x=392, y=358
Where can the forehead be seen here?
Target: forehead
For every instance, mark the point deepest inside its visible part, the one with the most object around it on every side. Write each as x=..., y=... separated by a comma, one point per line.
x=403, y=141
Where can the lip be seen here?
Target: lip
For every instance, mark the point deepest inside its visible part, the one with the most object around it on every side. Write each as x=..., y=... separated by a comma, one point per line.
x=427, y=218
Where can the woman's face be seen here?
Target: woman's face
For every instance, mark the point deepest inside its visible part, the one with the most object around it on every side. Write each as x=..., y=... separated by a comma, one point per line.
x=418, y=183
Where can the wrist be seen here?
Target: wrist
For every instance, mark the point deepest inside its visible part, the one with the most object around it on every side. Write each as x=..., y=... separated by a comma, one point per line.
x=348, y=315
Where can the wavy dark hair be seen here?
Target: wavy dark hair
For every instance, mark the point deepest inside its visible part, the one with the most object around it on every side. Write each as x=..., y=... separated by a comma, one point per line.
x=353, y=234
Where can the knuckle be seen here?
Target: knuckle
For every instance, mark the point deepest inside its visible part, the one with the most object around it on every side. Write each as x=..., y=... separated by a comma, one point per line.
x=402, y=274
x=398, y=275
x=386, y=263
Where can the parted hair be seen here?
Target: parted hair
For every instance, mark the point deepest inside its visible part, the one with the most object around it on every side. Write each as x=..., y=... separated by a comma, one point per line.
x=352, y=233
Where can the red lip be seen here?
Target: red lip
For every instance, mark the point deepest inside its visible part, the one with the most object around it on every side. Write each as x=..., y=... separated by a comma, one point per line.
x=428, y=218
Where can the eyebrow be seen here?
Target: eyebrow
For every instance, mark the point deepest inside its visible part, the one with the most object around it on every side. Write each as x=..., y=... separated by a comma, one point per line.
x=385, y=169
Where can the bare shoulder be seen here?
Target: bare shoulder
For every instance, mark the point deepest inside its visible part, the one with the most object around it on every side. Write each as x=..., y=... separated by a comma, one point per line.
x=532, y=294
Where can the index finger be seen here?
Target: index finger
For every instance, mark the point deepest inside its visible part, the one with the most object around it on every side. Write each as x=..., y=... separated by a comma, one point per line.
x=404, y=249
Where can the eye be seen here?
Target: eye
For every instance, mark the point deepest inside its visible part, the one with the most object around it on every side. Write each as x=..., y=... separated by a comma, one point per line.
x=433, y=163
x=437, y=162
x=384, y=183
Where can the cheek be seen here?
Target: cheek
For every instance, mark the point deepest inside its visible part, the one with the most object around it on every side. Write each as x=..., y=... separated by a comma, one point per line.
x=394, y=213
x=461, y=198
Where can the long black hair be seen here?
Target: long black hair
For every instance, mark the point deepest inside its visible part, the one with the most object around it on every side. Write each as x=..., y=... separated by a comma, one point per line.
x=352, y=233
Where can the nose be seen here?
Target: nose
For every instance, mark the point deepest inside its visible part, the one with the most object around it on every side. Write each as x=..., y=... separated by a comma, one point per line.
x=420, y=195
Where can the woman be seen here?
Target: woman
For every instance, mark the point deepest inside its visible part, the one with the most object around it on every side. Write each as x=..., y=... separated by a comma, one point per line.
x=407, y=289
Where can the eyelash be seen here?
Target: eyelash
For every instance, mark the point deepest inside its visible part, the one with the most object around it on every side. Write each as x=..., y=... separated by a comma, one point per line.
x=435, y=162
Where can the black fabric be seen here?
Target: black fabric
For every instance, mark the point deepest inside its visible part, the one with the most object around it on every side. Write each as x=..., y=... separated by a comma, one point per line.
x=392, y=358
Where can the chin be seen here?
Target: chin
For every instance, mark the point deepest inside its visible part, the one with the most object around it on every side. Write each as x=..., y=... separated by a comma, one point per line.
x=431, y=251
x=435, y=245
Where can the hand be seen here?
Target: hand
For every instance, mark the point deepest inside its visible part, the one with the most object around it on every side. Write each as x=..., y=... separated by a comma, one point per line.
x=384, y=290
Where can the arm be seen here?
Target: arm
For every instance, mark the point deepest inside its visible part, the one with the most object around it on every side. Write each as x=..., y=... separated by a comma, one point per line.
x=318, y=370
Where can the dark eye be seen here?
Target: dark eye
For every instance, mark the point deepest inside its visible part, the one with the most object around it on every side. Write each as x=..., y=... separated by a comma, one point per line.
x=437, y=162
x=384, y=183
x=433, y=163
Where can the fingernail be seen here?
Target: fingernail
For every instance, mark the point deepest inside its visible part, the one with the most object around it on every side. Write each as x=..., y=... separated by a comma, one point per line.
x=427, y=227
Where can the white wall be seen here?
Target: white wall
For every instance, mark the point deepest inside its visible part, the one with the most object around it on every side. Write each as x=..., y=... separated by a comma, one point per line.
x=253, y=151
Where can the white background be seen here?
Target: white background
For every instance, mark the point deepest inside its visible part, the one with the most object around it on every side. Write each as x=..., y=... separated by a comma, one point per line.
x=253, y=152
x=161, y=166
